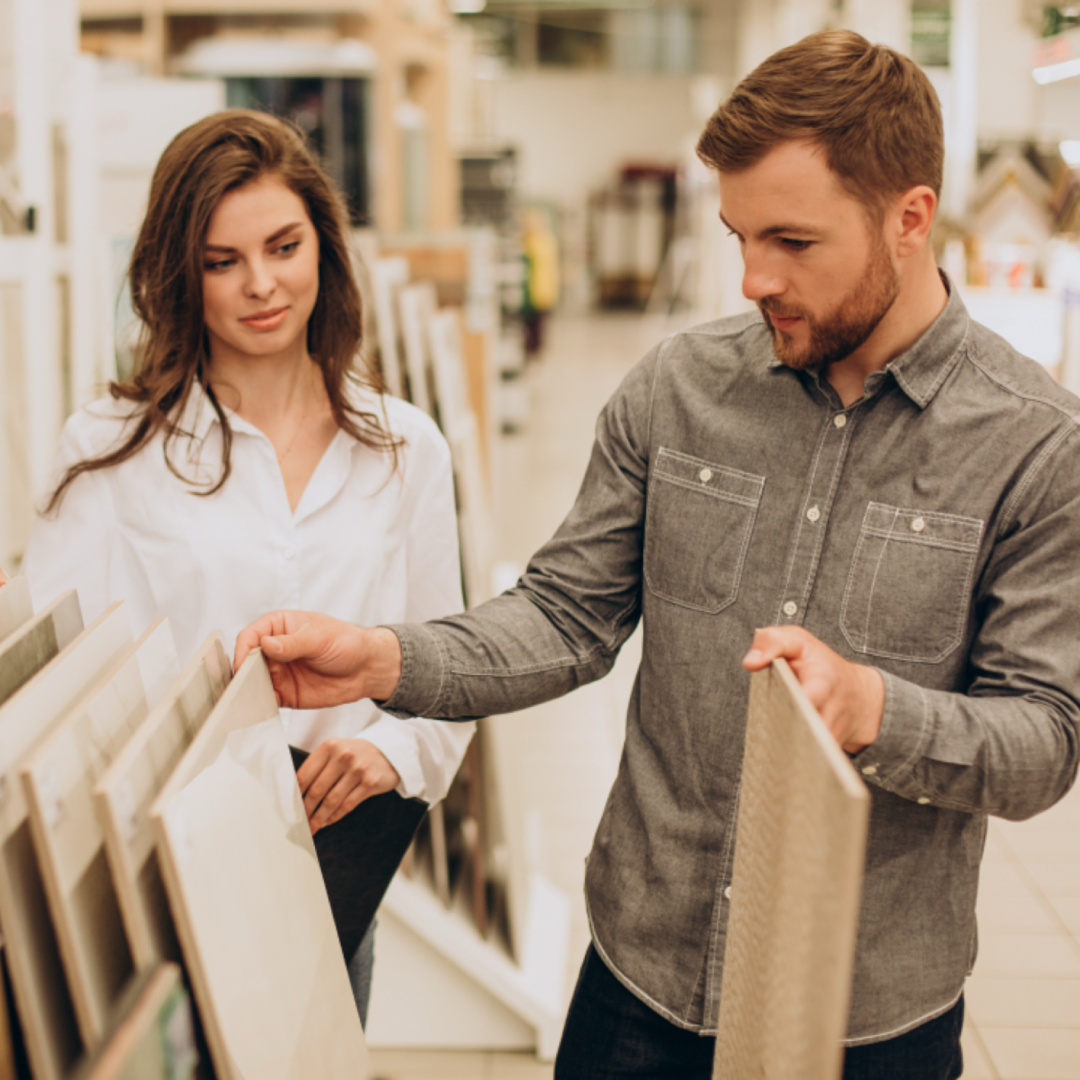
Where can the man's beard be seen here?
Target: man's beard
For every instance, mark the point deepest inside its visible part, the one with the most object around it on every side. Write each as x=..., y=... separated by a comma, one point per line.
x=846, y=327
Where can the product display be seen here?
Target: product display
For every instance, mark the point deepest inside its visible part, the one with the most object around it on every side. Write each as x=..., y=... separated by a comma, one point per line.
x=58, y=777
x=26, y=650
x=125, y=792
x=16, y=606
x=245, y=888
x=799, y=849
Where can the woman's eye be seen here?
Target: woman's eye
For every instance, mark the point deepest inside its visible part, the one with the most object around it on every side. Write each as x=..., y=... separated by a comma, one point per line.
x=219, y=264
x=289, y=248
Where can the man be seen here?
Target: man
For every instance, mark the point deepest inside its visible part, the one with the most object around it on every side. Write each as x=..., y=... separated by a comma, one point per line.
x=887, y=483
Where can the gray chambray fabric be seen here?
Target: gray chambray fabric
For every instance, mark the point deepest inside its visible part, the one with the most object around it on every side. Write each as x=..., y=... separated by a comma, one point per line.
x=930, y=529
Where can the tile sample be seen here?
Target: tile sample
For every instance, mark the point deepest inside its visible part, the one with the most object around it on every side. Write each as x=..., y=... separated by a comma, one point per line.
x=58, y=778
x=16, y=607
x=26, y=650
x=154, y=1038
x=124, y=794
x=253, y=916
x=796, y=884
x=40, y=987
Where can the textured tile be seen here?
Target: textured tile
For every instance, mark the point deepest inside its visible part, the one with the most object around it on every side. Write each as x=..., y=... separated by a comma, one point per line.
x=1061, y=846
x=1026, y=956
x=519, y=1067
x=1025, y=1003
x=1001, y=879
x=1068, y=909
x=1033, y=1053
x=1056, y=879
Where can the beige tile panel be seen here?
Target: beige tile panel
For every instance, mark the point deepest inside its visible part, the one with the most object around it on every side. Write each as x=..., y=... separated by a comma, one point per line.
x=1033, y=1053
x=1051, y=847
x=1055, y=878
x=1023, y=914
x=1021, y=956
x=430, y=1065
x=1026, y=1003
x=519, y=1067
x=1003, y=879
x=1068, y=910
x=977, y=1064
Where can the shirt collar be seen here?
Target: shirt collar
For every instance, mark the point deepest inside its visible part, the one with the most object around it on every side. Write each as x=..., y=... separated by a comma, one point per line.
x=921, y=370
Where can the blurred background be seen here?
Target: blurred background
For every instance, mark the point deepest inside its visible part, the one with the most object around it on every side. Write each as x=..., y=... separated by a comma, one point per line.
x=528, y=166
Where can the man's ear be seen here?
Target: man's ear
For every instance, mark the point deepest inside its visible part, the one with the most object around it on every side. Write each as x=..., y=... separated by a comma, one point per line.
x=912, y=216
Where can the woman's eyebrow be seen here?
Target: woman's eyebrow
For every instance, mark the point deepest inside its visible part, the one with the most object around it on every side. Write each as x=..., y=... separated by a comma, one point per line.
x=269, y=240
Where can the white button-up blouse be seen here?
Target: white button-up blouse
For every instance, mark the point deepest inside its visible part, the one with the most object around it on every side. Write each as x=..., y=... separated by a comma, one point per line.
x=369, y=543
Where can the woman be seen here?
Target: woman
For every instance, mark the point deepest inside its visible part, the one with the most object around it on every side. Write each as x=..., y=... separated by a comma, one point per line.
x=247, y=465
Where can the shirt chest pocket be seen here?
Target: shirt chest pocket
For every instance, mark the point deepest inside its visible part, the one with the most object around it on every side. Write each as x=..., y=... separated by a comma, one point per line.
x=697, y=530
x=909, y=587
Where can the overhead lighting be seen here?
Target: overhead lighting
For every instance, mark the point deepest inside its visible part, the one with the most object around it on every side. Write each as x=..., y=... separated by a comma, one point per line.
x=467, y=7
x=1055, y=72
x=1070, y=151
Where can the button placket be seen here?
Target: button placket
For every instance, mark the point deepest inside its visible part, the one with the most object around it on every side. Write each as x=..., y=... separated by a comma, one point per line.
x=809, y=531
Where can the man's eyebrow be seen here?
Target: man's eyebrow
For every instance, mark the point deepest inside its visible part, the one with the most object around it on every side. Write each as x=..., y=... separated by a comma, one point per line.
x=776, y=230
x=269, y=240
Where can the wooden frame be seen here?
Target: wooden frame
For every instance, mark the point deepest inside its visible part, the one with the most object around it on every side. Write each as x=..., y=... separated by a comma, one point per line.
x=417, y=304
x=387, y=277
x=58, y=777
x=37, y=975
x=795, y=893
x=130, y=785
x=245, y=887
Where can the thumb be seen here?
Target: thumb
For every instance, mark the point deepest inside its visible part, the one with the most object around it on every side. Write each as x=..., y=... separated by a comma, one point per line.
x=288, y=647
x=772, y=642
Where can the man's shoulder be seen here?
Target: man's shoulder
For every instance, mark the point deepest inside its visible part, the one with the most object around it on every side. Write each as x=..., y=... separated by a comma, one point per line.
x=1013, y=375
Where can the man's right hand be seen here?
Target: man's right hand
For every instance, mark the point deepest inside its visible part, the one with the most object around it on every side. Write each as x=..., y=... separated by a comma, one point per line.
x=316, y=661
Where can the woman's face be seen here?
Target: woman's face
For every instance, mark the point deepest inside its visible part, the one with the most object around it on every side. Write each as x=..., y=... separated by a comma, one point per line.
x=260, y=271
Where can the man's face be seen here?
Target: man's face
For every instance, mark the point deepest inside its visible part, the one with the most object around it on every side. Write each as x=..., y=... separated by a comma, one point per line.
x=815, y=264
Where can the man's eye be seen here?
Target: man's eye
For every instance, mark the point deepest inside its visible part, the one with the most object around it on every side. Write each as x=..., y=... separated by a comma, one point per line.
x=732, y=232
x=795, y=245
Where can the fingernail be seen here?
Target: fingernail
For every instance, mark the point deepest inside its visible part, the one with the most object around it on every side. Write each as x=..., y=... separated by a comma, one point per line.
x=270, y=644
x=753, y=656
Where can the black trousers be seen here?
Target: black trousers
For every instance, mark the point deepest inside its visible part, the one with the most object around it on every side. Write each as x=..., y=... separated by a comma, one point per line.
x=611, y=1035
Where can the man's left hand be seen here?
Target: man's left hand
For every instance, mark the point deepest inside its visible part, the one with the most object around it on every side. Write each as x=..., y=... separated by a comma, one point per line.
x=849, y=697
x=339, y=775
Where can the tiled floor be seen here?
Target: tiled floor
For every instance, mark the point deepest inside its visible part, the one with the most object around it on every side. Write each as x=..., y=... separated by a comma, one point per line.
x=1023, y=1002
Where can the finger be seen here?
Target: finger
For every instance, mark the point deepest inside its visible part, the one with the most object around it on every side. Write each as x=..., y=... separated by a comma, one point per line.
x=772, y=642
x=250, y=637
x=318, y=759
x=3, y=578
x=350, y=803
x=318, y=790
x=330, y=809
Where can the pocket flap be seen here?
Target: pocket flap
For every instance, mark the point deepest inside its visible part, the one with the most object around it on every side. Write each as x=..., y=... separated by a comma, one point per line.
x=717, y=480
x=923, y=527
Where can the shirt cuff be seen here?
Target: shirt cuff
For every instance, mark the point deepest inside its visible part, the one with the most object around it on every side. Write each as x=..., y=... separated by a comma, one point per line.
x=890, y=759
x=398, y=746
x=422, y=671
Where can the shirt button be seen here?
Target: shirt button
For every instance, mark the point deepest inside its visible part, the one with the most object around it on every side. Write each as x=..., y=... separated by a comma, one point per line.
x=922, y=800
x=918, y=525
x=813, y=513
x=289, y=553
x=727, y=893
x=840, y=420
x=870, y=770
x=790, y=607
x=705, y=475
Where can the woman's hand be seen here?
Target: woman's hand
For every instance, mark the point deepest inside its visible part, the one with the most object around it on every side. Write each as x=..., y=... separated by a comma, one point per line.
x=340, y=775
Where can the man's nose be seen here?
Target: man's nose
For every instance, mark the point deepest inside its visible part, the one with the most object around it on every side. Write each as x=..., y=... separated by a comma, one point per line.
x=759, y=279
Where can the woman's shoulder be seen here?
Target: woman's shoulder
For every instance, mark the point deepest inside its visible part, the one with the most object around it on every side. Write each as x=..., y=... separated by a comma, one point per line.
x=99, y=426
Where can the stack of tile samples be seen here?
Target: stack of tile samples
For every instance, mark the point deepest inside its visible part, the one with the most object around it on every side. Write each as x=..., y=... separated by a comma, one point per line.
x=153, y=842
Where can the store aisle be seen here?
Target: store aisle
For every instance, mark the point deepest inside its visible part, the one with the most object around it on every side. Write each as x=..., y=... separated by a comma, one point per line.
x=1024, y=999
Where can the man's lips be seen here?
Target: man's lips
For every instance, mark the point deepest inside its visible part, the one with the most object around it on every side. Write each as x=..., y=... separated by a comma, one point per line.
x=266, y=320
x=782, y=322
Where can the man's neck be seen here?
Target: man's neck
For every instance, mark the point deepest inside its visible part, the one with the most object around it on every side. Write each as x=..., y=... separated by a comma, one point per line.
x=921, y=300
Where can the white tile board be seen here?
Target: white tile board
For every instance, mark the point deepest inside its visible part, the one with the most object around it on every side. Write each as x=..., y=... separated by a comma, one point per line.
x=37, y=975
x=795, y=892
x=27, y=649
x=125, y=792
x=16, y=607
x=417, y=303
x=247, y=893
x=387, y=276
x=58, y=777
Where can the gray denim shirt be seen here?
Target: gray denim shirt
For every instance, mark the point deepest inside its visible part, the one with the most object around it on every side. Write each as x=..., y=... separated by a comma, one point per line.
x=930, y=529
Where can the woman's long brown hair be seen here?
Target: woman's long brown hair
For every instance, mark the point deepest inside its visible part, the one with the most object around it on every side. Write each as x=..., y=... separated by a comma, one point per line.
x=203, y=163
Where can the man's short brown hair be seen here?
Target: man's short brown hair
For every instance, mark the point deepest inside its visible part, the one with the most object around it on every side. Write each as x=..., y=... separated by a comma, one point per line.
x=872, y=111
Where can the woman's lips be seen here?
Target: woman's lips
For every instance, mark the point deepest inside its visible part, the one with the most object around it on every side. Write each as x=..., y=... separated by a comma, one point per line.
x=266, y=320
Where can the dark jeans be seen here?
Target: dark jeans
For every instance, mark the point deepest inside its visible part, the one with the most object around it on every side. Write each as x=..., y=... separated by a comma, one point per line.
x=611, y=1035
